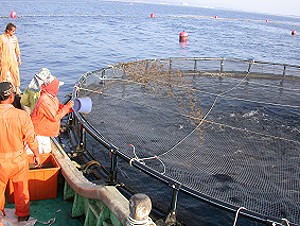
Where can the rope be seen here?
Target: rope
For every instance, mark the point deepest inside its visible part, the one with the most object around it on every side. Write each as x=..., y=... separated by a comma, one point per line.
x=252, y=132
x=136, y=158
x=286, y=221
x=158, y=16
x=237, y=215
x=133, y=222
x=230, y=98
x=212, y=106
x=251, y=101
x=50, y=221
x=204, y=120
x=217, y=95
x=90, y=90
x=273, y=224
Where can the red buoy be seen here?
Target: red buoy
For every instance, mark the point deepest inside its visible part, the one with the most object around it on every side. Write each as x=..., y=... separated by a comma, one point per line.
x=13, y=14
x=183, y=36
x=293, y=32
x=216, y=17
x=152, y=15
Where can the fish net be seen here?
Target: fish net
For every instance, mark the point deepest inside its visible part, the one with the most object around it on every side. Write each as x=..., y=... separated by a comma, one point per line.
x=227, y=129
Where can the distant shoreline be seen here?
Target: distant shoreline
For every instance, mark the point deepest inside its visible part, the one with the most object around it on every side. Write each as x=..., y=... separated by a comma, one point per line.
x=184, y=4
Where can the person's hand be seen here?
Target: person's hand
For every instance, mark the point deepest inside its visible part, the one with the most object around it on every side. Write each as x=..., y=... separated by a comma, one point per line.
x=70, y=104
x=37, y=160
x=18, y=91
x=19, y=62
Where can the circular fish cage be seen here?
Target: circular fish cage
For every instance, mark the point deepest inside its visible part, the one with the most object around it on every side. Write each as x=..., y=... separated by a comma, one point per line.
x=210, y=140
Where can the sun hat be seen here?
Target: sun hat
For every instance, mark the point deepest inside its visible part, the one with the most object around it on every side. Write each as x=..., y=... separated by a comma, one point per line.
x=46, y=77
x=6, y=88
x=42, y=77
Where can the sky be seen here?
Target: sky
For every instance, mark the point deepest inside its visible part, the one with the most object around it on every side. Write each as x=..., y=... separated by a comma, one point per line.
x=275, y=7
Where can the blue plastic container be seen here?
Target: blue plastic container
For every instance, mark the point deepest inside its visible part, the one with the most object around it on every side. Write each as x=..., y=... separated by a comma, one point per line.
x=83, y=105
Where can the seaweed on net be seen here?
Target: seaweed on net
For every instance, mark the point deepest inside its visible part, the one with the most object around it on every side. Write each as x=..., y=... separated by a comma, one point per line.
x=232, y=135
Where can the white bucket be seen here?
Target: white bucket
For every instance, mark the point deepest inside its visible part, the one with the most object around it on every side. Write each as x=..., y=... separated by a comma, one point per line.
x=83, y=105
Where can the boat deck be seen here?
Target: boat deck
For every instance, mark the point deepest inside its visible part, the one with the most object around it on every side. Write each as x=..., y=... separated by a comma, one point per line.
x=53, y=211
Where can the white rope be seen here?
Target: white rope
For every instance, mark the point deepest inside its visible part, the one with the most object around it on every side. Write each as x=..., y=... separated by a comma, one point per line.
x=252, y=132
x=90, y=90
x=232, y=98
x=133, y=222
x=136, y=158
x=252, y=101
x=206, y=115
x=286, y=221
x=50, y=221
x=237, y=215
x=204, y=118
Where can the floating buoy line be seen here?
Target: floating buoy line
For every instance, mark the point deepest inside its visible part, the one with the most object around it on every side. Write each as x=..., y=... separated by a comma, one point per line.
x=182, y=38
x=13, y=14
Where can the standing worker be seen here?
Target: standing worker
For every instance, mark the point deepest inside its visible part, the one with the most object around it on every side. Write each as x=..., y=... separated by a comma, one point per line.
x=10, y=57
x=47, y=113
x=16, y=128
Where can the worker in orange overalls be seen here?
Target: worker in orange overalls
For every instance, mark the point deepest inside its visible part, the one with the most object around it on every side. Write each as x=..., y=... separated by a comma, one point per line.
x=10, y=57
x=16, y=128
x=47, y=113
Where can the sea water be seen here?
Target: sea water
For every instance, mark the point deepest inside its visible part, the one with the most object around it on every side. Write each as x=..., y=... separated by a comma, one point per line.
x=71, y=37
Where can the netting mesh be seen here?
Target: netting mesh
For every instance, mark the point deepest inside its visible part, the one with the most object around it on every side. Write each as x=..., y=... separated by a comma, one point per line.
x=225, y=128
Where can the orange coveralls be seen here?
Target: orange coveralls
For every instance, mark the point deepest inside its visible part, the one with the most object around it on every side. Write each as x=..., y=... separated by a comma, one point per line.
x=9, y=49
x=15, y=128
x=47, y=114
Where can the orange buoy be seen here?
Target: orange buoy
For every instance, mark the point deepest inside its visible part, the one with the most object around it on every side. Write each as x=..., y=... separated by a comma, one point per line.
x=152, y=15
x=13, y=14
x=293, y=32
x=183, y=36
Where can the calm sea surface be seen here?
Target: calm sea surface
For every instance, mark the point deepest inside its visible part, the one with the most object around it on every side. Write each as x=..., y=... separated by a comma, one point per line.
x=71, y=37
